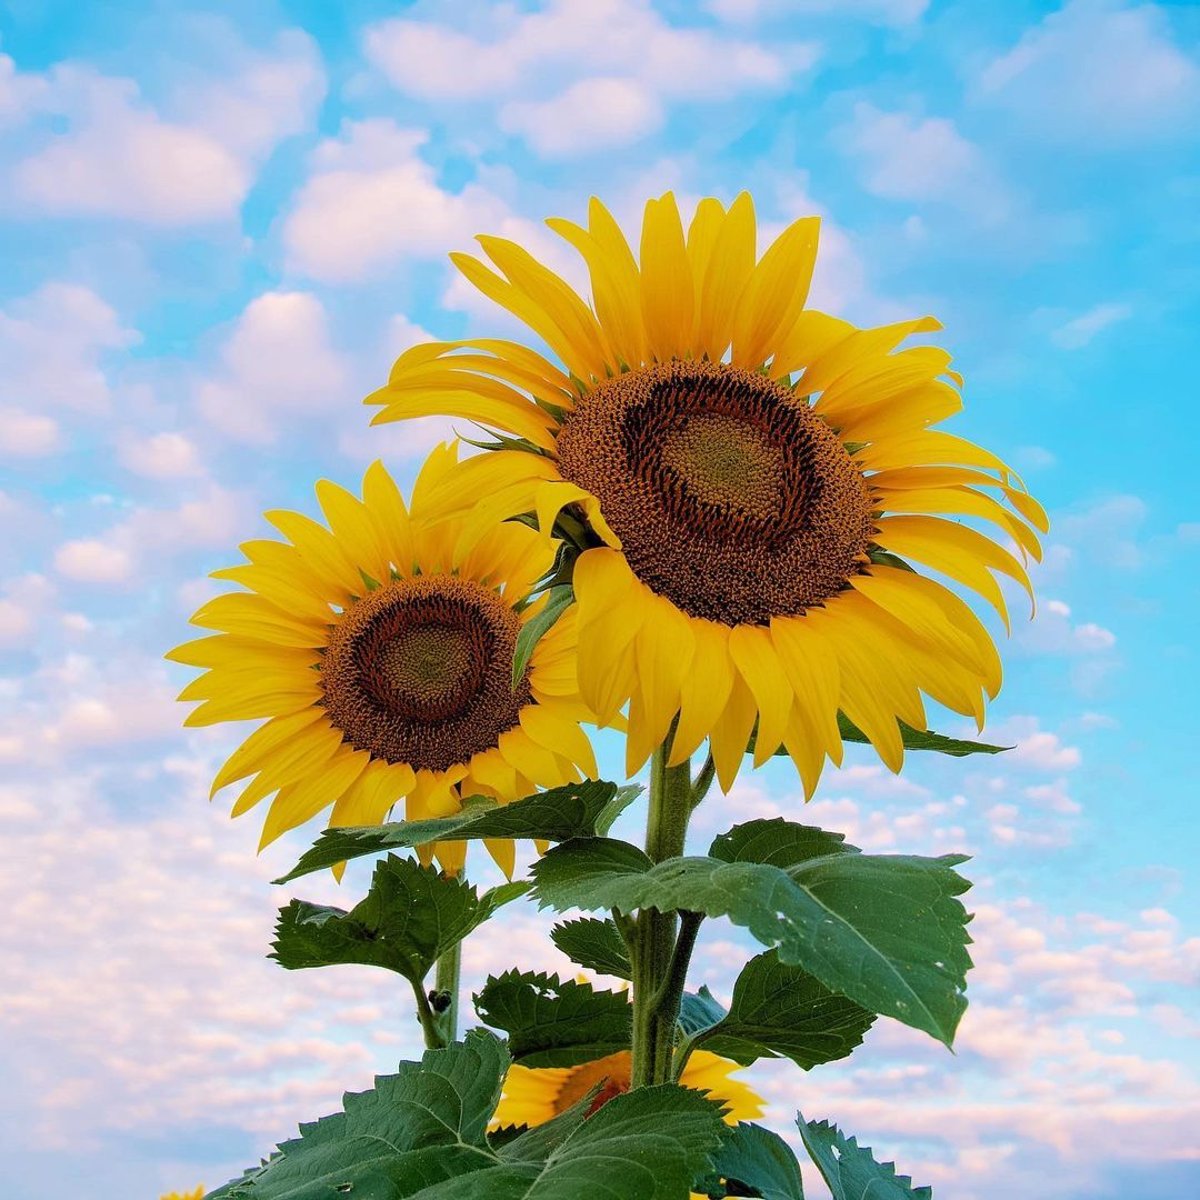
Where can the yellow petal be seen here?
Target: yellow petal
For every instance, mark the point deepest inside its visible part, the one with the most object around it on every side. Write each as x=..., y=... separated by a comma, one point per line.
x=757, y=661
x=668, y=293
x=704, y=689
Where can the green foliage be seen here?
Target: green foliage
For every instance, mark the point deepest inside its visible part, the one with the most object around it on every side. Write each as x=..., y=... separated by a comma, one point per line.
x=886, y=931
x=594, y=944
x=552, y=1023
x=753, y=1161
x=559, y=599
x=410, y=916
x=777, y=842
x=576, y=810
x=420, y=1135
x=699, y=1010
x=780, y=1009
x=921, y=739
x=850, y=1170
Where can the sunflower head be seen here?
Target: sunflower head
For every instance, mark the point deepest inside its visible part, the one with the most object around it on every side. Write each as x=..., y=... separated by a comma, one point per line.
x=761, y=482
x=534, y=1095
x=378, y=650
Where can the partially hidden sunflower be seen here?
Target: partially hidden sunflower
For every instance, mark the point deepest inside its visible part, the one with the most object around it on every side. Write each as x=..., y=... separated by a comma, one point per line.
x=756, y=477
x=380, y=656
x=534, y=1095
x=196, y=1194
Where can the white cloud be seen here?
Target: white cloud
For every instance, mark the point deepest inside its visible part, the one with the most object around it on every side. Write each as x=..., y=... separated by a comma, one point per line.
x=27, y=435
x=1108, y=530
x=278, y=363
x=189, y=161
x=90, y=560
x=160, y=455
x=371, y=201
x=53, y=343
x=905, y=157
x=1053, y=632
x=883, y=12
x=593, y=114
x=1097, y=73
x=580, y=73
x=1079, y=331
x=1036, y=749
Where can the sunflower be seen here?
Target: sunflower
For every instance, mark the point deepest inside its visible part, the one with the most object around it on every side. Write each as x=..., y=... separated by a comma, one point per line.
x=756, y=480
x=532, y=1095
x=380, y=655
x=196, y=1194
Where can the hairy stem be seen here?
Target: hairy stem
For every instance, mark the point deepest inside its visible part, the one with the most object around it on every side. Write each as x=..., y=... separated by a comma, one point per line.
x=670, y=804
x=445, y=992
x=428, y=1018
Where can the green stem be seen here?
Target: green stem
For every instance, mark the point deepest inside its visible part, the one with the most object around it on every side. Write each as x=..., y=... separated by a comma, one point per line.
x=671, y=994
x=445, y=992
x=427, y=1017
x=670, y=804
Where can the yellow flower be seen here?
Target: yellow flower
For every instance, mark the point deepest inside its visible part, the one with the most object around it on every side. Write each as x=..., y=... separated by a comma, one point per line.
x=197, y=1194
x=753, y=472
x=379, y=651
x=532, y=1095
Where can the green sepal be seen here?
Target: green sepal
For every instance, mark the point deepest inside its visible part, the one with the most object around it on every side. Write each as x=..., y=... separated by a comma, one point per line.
x=410, y=916
x=558, y=600
x=594, y=944
x=554, y=1023
x=574, y=810
x=850, y=1170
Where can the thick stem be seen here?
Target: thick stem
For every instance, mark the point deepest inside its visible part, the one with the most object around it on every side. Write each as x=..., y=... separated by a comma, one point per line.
x=671, y=994
x=670, y=804
x=445, y=992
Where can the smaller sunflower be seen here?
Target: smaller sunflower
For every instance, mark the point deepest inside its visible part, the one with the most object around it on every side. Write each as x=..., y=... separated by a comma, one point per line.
x=380, y=655
x=533, y=1095
x=195, y=1194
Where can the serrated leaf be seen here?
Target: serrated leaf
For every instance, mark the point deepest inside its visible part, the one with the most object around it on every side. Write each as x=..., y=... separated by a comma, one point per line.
x=420, y=1135
x=887, y=931
x=778, y=842
x=412, y=1129
x=699, y=1010
x=850, y=1170
x=558, y=600
x=576, y=810
x=410, y=916
x=552, y=1023
x=921, y=739
x=753, y=1161
x=595, y=944
x=781, y=1010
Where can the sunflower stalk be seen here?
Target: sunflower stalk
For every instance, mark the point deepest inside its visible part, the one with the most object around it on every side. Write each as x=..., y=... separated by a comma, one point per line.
x=445, y=991
x=655, y=961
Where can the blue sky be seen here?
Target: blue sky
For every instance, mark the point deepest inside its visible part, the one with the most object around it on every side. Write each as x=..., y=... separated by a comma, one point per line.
x=220, y=223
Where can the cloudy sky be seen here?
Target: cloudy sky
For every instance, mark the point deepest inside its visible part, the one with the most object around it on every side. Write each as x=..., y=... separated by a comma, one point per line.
x=221, y=222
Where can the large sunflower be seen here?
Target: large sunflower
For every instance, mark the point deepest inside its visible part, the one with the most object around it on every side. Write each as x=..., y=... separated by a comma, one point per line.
x=756, y=477
x=380, y=653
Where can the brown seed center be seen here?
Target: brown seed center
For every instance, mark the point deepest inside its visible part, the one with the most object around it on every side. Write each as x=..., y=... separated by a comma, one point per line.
x=731, y=497
x=420, y=671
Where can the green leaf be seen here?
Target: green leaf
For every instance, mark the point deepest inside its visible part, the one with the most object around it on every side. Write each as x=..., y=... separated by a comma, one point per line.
x=780, y=1009
x=753, y=1161
x=576, y=810
x=921, y=739
x=699, y=1010
x=552, y=1023
x=559, y=599
x=887, y=931
x=420, y=1135
x=594, y=944
x=410, y=917
x=850, y=1170
x=417, y=1127
x=778, y=842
